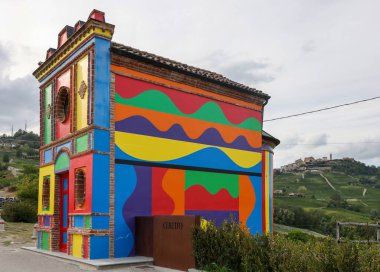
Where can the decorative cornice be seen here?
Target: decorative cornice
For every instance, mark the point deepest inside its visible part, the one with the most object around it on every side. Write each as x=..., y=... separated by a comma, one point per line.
x=90, y=29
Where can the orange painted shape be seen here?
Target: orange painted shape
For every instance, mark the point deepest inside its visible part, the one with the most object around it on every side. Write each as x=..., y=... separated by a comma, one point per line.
x=247, y=199
x=173, y=184
x=126, y=71
x=193, y=128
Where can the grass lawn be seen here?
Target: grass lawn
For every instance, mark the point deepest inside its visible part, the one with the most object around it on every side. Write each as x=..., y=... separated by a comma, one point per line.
x=17, y=233
x=278, y=228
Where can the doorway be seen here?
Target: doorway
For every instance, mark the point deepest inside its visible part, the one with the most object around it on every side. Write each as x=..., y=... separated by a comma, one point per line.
x=64, y=217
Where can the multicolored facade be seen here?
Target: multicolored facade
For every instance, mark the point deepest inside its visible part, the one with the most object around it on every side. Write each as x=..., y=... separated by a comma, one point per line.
x=126, y=133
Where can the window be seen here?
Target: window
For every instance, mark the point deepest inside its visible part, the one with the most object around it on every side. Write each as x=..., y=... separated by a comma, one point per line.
x=80, y=188
x=46, y=193
x=62, y=105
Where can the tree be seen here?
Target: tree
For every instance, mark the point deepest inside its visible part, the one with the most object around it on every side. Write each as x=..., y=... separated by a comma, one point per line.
x=302, y=189
x=6, y=158
x=27, y=189
x=18, y=153
x=18, y=133
x=336, y=201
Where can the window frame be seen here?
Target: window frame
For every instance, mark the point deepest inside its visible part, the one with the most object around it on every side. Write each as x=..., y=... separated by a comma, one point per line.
x=45, y=201
x=80, y=200
x=62, y=107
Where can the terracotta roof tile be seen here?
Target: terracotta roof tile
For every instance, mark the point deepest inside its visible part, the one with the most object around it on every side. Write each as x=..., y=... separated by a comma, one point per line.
x=271, y=138
x=204, y=74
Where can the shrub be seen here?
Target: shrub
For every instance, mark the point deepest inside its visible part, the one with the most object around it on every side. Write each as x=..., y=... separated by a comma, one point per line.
x=27, y=189
x=296, y=235
x=348, y=257
x=19, y=212
x=288, y=255
x=369, y=258
x=324, y=255
x=232, y=248
x=216, y=268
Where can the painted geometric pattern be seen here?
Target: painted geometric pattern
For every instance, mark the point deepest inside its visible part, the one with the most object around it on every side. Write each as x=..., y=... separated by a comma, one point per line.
x=159, y=124
x=146, y=191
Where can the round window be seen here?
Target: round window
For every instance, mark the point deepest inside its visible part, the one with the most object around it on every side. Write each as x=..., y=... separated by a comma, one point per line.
x=62, y=105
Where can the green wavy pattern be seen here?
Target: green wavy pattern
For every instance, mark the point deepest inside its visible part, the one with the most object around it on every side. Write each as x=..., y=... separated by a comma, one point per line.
x=213, y=182
x=210, y=111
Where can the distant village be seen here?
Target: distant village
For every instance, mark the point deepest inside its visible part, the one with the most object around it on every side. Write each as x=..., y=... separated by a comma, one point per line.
x=310, y=164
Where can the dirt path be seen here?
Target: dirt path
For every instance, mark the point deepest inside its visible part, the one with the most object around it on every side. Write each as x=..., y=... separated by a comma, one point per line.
x=328, y=182
x=14, y=171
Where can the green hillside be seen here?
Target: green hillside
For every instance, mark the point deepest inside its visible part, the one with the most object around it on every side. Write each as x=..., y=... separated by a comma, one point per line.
x=18, y=154
x=349, y=198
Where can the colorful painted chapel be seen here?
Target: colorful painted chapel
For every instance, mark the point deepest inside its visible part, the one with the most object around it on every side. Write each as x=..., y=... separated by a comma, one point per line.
x=126, y=133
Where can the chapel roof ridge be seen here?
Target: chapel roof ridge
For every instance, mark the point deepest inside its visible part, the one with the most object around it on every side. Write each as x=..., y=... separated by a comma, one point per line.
x=129, y=51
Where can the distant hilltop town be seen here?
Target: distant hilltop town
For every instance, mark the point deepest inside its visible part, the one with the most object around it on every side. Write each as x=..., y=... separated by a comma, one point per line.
x=309, y=164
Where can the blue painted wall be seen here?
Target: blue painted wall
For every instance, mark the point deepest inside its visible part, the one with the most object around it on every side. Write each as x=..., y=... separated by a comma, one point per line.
x=125, y=184
x=254, y=221
x=101, y=140
x=100, y=183
x=99, y=247
x=102, y=83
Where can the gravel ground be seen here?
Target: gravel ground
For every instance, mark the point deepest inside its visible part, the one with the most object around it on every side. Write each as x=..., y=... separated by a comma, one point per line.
x=15, y=259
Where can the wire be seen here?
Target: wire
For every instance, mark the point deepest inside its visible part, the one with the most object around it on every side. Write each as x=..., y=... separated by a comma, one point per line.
x=333, y=143
x=323, y=109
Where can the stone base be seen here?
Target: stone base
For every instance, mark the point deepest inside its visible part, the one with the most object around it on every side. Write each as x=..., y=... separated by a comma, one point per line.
x=99, y=263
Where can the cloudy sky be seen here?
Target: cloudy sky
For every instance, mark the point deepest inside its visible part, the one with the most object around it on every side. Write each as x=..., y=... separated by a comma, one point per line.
x=306, y=54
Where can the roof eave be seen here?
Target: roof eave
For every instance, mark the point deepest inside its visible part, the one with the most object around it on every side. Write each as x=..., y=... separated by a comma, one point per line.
x=163, y=65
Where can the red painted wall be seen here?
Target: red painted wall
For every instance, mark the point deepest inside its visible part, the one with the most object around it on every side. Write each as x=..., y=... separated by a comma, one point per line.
x=62, y=129
x=84, y=162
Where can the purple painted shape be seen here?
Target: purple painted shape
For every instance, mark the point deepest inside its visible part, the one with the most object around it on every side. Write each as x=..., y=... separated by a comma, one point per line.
x=211, y=136
x=140, y=202
x=216, y=216
x=46, y=220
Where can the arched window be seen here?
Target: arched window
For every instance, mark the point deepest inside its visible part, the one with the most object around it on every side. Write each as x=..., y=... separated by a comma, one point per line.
x=80, y=188
x=46, y=193
x=62, y=105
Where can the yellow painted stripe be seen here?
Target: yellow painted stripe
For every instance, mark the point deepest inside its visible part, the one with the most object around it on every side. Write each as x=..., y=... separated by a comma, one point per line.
x=82, y=75
x=77, y=245
x=46, y=171
x=160, y=149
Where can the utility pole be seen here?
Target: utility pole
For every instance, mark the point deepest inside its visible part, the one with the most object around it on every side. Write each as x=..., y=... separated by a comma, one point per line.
x=12, y=131
x=25, y=125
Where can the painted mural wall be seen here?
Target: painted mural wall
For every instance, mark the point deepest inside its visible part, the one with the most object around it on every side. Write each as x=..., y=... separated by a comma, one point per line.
x=179, y=153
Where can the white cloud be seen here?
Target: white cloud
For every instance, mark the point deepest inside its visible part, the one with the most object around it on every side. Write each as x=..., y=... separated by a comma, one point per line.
x=19, y=98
